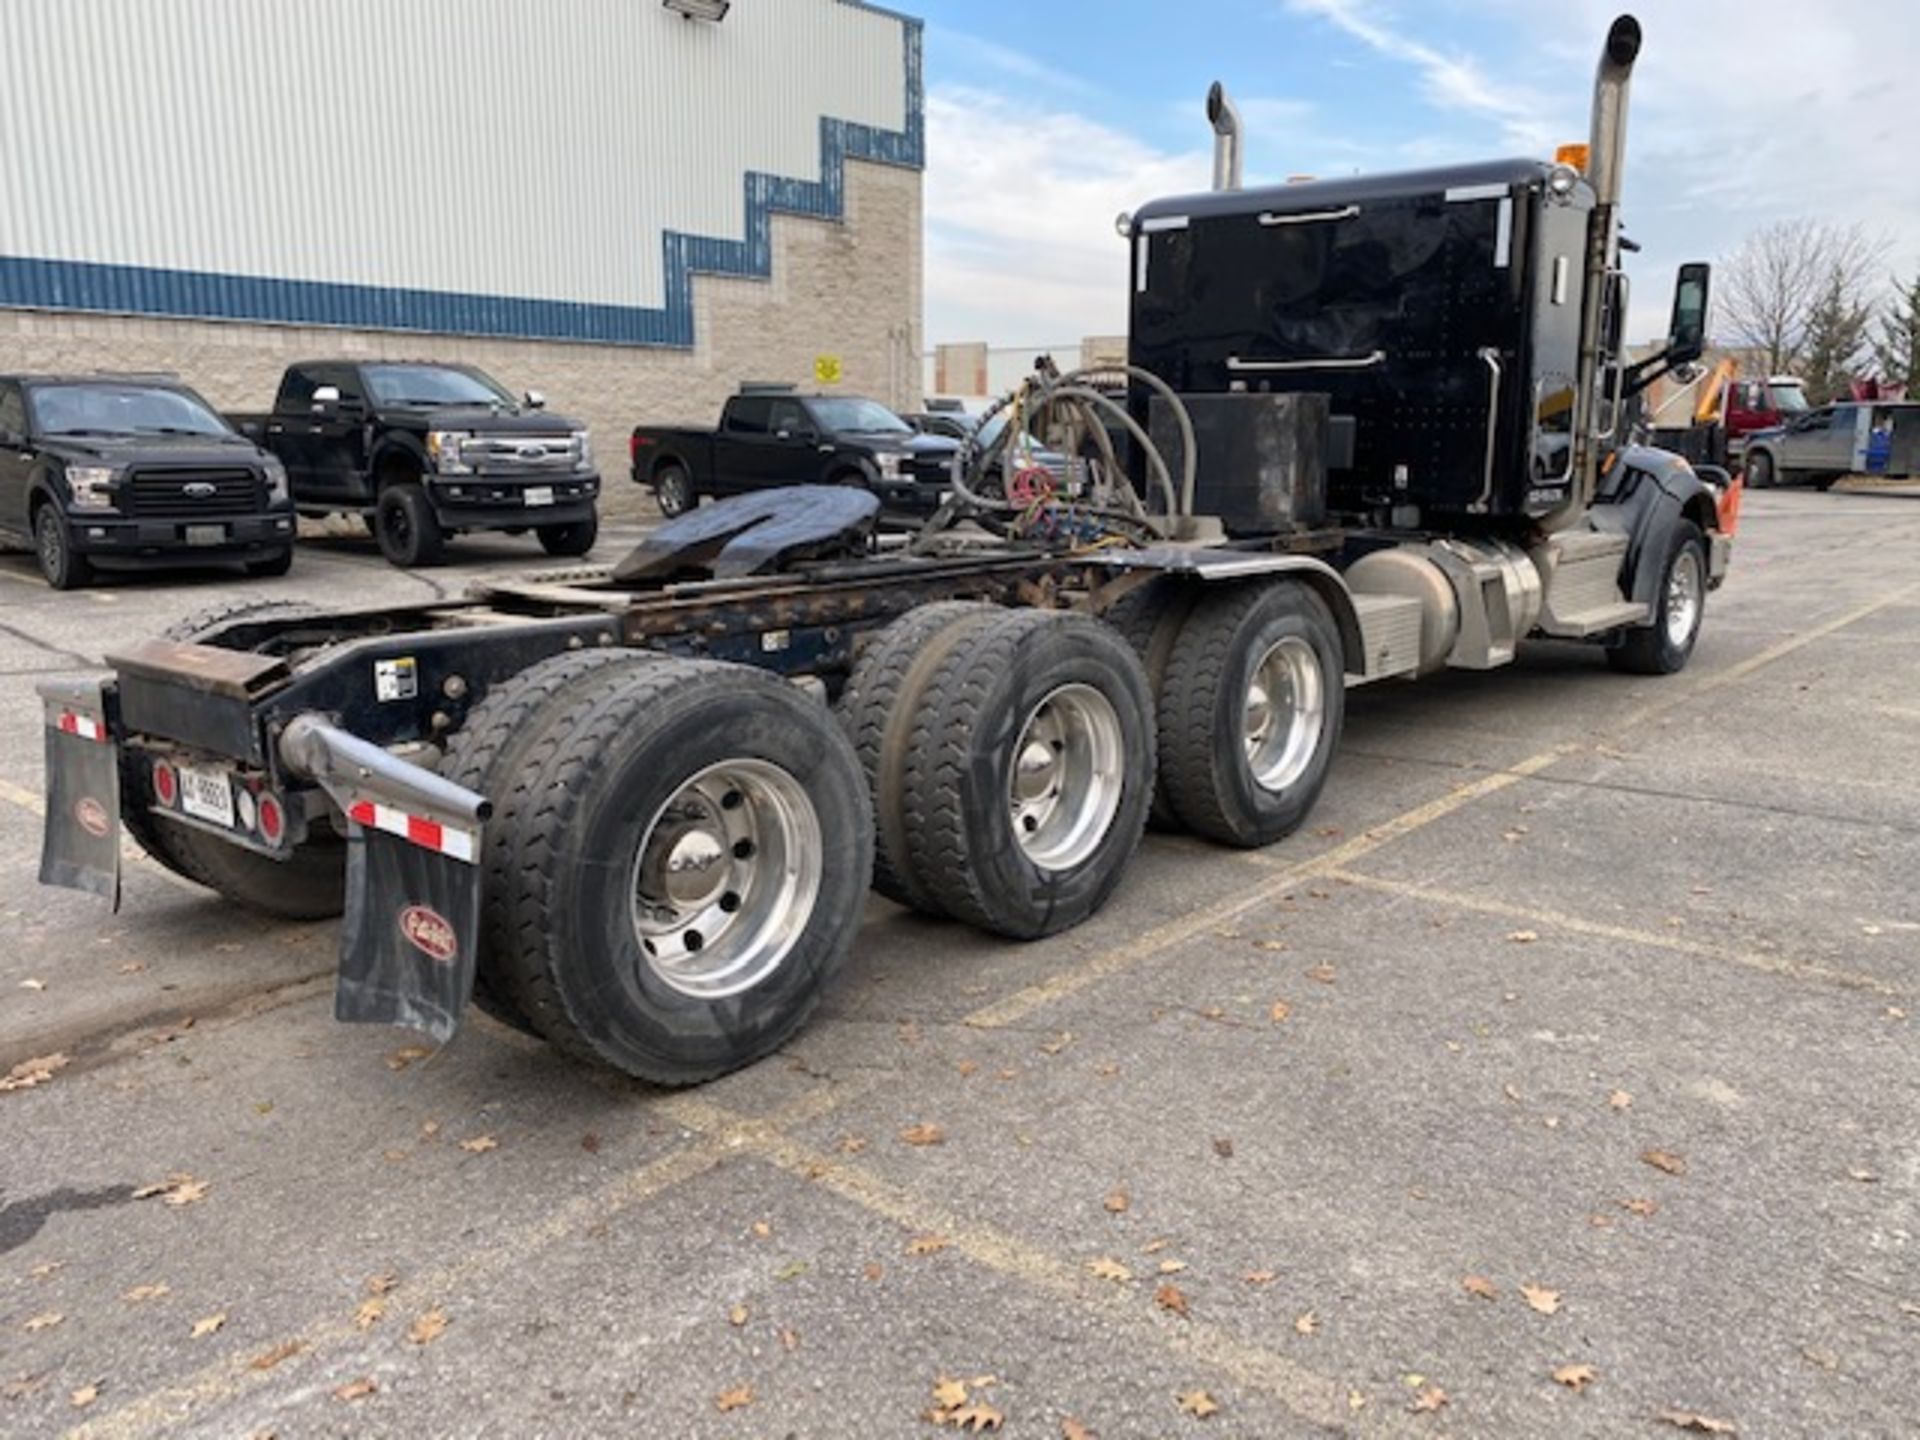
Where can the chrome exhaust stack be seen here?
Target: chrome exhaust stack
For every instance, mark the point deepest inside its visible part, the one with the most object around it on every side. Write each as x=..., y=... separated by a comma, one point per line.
x=1228, y=149
x=1606, y=156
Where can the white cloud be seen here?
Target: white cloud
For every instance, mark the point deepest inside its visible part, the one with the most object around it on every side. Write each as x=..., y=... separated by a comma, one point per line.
x=1021, y=201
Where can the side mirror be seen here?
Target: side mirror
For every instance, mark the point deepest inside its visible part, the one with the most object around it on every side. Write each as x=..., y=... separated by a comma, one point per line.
x=1687, y=332
x=326, y=397
x=535, y=400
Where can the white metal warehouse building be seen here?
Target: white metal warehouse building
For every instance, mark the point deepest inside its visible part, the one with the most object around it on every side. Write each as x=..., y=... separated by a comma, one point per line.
x=626, y=208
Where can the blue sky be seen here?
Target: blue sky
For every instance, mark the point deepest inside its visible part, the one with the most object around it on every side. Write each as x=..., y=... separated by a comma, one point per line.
x=1045, y=120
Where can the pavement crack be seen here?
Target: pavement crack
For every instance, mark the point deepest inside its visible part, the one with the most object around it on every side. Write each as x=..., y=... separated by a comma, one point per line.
x=58, y=652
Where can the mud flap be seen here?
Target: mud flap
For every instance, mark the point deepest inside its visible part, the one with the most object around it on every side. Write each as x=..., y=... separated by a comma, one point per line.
x=80, y=847
x=410, y=940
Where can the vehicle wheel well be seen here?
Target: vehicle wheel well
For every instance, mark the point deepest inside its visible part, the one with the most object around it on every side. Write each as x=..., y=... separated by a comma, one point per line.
x=396, y=467
x=668, y=461
x=847, y=475
x=1700, y=510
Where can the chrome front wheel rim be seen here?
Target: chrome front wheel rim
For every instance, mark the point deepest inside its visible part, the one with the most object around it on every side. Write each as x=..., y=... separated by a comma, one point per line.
x=1282, y=713
x=725, y=878
x=1685, y=592
x=1069, y=769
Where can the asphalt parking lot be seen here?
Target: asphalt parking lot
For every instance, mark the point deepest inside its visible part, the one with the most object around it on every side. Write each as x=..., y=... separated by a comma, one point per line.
x=1560, y=1078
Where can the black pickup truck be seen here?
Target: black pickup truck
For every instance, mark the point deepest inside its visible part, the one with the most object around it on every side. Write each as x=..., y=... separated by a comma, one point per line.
x=766, y=440
x=426, y=451
x=123, y=472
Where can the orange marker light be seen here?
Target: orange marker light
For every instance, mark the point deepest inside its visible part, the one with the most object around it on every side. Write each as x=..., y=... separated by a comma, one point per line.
x=1573, y=155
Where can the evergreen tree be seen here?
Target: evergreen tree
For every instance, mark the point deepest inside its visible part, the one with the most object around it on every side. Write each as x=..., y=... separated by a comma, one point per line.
x=1896, y=349
x=1835, y=336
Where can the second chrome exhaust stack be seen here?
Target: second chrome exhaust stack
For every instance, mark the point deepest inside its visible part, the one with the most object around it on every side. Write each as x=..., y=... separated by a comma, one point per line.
x=1224, y=116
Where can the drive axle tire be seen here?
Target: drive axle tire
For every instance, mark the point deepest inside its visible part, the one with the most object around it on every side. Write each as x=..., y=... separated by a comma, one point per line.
x=1029, y=771
x=1250, y=712
x=1149, y=619
x=406, y=527
x=690, y=873
x=310, y=884
x=1664, y=647
x=877, y=712
x=569, y=540
x=486, y=755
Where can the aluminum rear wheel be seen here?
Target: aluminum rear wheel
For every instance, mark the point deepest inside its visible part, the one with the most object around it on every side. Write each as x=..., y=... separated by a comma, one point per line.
x=1284, y=708
x=1686, y=591
x=725, y=878
x=1067, y=776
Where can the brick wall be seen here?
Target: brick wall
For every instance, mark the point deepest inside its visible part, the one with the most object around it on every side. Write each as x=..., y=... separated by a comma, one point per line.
x=850, y=288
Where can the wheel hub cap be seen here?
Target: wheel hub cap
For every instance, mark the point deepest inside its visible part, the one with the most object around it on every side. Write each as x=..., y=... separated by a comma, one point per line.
x=1068, y=774
x=1683, y=598
x=725, y=878
x=1282, y=712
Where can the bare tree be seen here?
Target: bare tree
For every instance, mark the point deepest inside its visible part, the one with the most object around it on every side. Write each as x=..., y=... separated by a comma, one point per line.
x=1770, y=289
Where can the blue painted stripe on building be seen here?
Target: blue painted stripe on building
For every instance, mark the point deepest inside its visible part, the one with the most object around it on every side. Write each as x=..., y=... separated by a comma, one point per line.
x=38, y=284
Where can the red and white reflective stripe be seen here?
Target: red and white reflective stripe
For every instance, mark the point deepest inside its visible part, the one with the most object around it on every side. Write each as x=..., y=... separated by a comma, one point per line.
x=71, y=722
x=427, y=834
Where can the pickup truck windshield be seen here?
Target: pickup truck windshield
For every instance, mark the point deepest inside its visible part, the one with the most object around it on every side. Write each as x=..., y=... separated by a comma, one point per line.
x=432, y=385
x=1787, y=396
x=857, y=417
x=122, y=410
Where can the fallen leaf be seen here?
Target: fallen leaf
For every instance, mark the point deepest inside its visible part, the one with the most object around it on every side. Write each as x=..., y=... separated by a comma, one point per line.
x=146, y=1292
x=1198, y=1403
x=1279, y=1011
x=1639, y=1206
x=949, y=1393
x=1322, y=974
x=792, y=1271
x=1223, y=1147
x=356, y=1389
x=1703, y=1424
x=874, y=1271
x=1512, y=1092
x=207, y=1325
x=852, y=1144
x=1072, y=1429
x=966, y=1069
x=133, y=967
x=1428, y=1400
x=1307, y=1324
x=1106, y=1268
x=733, y=1399
x=480, y=1144
x=1260, y=1277
x=430, y=1129
x=927, y=1244
x=43, y=1322
x=737, y=1316
x=1600, y=1222
x=1547, y=1302
x=1575, y=1377
x=1117, y=1202
x=1174, y=1300
x=590, y=1142
x=381, y=1284
x=84, y=1396
x=1523, y=937
x=21, y=1388
x=370, y=1313
x=924, y=1134
x=1356, y=1401
x=789, y=1339
x=1825, y=1359
x=187, y=1192
x=428, y=1327
x=267, y=1359
x=1665, y=1160
x=169, y=1186
x=406, y=1055
x=1274, y=945
x=1058, y=1042
x=761, y=1229
x=1155, y=1245
x=1481, y=1286
x=46, y=1268
x=29, y=1073
x=1172, y=1267
x=1620, y=1100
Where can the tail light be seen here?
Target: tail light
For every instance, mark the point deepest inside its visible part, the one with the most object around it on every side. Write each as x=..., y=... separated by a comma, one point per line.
x=166, y=784
x=273, y=819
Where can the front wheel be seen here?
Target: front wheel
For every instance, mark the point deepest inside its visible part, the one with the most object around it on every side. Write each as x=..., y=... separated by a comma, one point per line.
x=1664, y=647
x=569, y=540
x=406, y=527
x=63, y=567
x=673, y=491
x=1759, y=471
x=1250, y=713
x=278, y=563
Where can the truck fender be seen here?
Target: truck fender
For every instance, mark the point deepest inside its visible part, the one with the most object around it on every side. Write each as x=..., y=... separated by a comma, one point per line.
x=392, y=447
x=1211, y=567
x=1646, y=495
x=665, y=457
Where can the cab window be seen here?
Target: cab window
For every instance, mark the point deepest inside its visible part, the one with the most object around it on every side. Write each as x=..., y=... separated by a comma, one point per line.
x=13, y=411
x=747, y=415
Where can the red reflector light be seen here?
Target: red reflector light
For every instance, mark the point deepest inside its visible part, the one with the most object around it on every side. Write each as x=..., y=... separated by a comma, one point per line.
x=273, y=820
x=166, y=785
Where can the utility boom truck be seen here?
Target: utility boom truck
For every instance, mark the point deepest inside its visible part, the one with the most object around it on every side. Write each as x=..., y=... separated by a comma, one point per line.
x=1367, y=432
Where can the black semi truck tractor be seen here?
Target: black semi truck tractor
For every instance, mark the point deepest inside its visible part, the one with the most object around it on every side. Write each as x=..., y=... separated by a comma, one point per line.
x=1370, y=429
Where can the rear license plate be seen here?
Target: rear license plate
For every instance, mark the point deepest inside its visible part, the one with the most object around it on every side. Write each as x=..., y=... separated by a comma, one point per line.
x=539, y=494
x=207, y=795
x=206, y=534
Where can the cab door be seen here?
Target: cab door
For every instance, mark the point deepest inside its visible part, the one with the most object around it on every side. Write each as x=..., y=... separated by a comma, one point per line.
x=337, y=436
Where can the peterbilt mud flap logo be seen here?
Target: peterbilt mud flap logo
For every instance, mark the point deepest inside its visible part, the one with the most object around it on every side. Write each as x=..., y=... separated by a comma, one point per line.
x=429, y=932
x=91, y=816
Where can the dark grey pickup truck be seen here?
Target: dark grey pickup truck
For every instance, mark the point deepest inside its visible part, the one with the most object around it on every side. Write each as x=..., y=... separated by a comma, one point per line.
x=427, y=451
x=766, y=440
